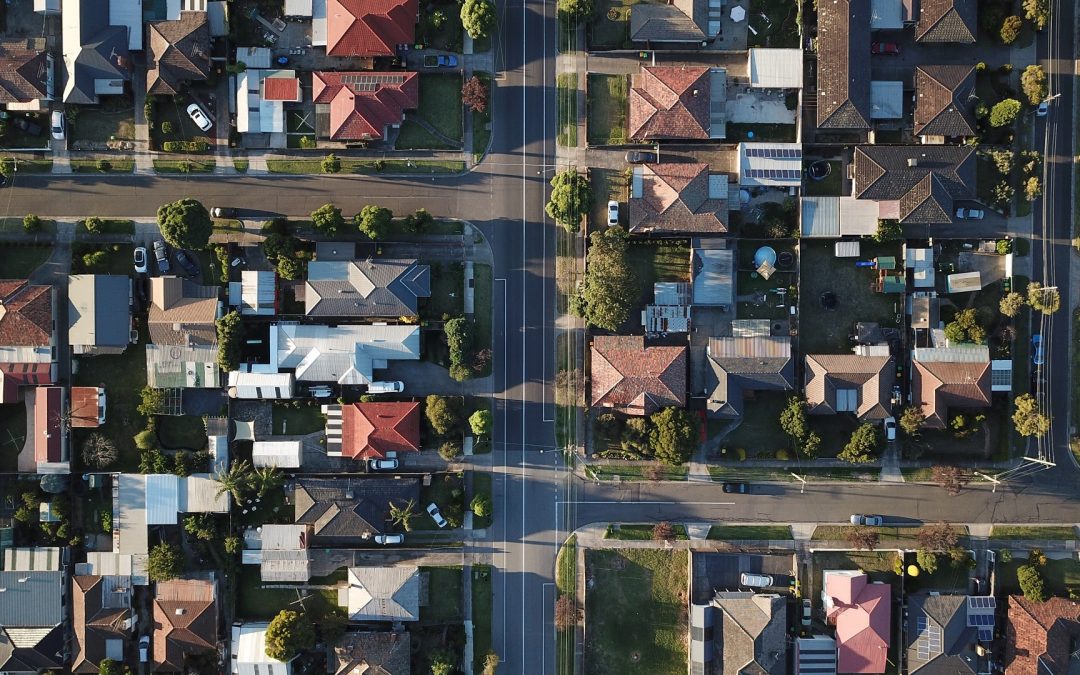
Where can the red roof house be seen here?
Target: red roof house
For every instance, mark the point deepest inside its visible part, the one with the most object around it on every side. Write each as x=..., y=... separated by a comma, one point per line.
x=371, y=430
x=50, y=442
x=1041, y=636
x=861, y=612
x=26, y=314
x=635, y=379
x=361, y=105
x=670, y=102
x=369, y=27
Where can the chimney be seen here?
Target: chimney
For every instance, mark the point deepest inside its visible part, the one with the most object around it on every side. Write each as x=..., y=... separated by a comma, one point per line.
x=913, y=161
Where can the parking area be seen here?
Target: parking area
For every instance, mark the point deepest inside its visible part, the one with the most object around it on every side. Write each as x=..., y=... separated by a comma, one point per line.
x=721, y=572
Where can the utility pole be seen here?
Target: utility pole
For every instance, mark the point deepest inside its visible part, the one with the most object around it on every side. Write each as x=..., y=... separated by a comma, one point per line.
x=1038, y=460
x=993, y=480
x=802, y=488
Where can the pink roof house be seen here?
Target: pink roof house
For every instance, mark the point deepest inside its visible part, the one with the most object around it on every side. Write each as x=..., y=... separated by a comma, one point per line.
x=861, y=612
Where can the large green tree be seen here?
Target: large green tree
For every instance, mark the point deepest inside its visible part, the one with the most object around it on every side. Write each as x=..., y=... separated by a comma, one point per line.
x=185, y=223
x=442, y=413
x=478, y=17
x=1031, y=583
x=1033, y=82
x=793, y=418
x=288, y=634
x=481, y=422
x=164, y=562
x=863, y=442
x=1038, y=12
x=230, y=335
x=1027, y=418
x=327, y=219
x=375, y=221
x=1004, y=112
x=673, y=435
x=611, y=287
x=571, y=199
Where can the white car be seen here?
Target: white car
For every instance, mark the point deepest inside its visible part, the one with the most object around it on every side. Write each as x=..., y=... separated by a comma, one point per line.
x=386, y=387
x=807, y=611
x=101, y=405
x=871, y=521
x=140, y=260
x=389, y=539
x=58, y=125
x=970, y=214
x=144, y=649
x=613, y=212
x=890, y=428
x=433, y=511
x=383, y=464
x=199, y=117
x=1043, y=109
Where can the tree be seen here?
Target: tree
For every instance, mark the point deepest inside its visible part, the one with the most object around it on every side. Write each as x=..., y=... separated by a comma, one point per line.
x=233, y=544
x=418, y=221
x=235, y=480
x=1011, y=304
x=1033, y=82
x=164, y=562
x=288, y=634
x=575, y=11
x=331, y=164
x=442, y=664
x=478, y=17
x=375, y=221
x=1010, y=29
x=1037, y=558
x=566, y=613
x=145, y=439
x=965, y=328
x=793, y=418
x=1046, y=300
x=402, y=515
x=927, y=561
x=474, y=94
x=1003, y=159
x=99, y=451
x=327, y=219
x=110, y=667
x=1027, y=418
x=491, y=663
x=940, y=536
x=442, y=413
x=481, y=422
x=1031, y=582
x=200, y=526
x=912, y=420
x=673, y=436
x=635, y=436
x=571, y=199
x=93, y=225
x=31, y=223
x=266, y=479
x=611, y=286
x=951, y=478
x=480, y=506
x=289, y=269
x=151, y=401
x=185, y=223
x=450, y=450
x=230, y=335
x=1002, y=194
x=1032, y=188
x=863, y=442
x=459, y=339
x=861, y=536
x=961, y=557
x=1004, y=112
x=888, y=230
x=811, y=445
x=1037, y=12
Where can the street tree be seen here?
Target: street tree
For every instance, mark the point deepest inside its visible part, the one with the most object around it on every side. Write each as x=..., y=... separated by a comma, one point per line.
x=575, y=11
x=1037, y=12
x=402, y=515
x=673, y=436
x=288, y=634
x=793, y=418
x=164, y=562
x=1010, y=29
x=478, y=17
x=480, y=506
x=1032, y=188
x=1033, y=82
x=375, y=221
x=1046, y=300
x=951, y=478
x=863, y=442
x=474, y=94
x=861, y=536
x=1027, y=418
x=571, y=199
x=481, y=422
x=940, y=536
x=442, y=413
x=1011, y=304
x=1004, y=112
x=327, y=219
x=611, y=286
x=99, y=451
x=185, y=223
x=418, y=221
x=912, y=420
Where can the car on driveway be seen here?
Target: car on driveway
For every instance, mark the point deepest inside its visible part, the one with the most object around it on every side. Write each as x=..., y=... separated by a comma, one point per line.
x=58, y=125
x=613, y=212
x=161, y=254
x=970, y=214
x=737, y=488
x=144, y=649
x=140, y=259
x=885, y=48
x=389, y=539
x=640, y=157
x=383, y=464
x=1037, y=349
x=872, y=521
x=890, y=428
x=433, y=511
x=183, y=258
x=807, y=611
x=199, y=117
x=755, y=580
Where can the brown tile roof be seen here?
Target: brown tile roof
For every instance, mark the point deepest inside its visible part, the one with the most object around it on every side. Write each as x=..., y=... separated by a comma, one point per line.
x=944, y=97
x=924, y=180
x=48, y=437
x=182, y=312
x=843, y=79
x=947, y=21
x=281, y=89
x=741, y=364
x=179, y=52
x=84, y=407
x=675, y=198
x=369, y=27
x=371, y=430
x=96, y=619
x=1040, y=636
x=635, y=379
x=363, y=111
x=350, y=509
x=938, y=385
x=871, y=377
x=373, y=654
x=26, y=314
x=24, y=70
x=185, y=621
x=670, y=102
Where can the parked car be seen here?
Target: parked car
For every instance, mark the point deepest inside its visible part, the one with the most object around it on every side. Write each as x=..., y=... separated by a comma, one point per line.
x=613, y=212
x=223, y=212
x=161, y=254
x=807, y=611
x=1037, y=349
x=890, y=428
x=389, y=539
x=58, y=126
x=184, y=260
x=737, y=488
x=383, y=464
x=320, y=391
x=144, y=649
x=755, y=580
x=440, y=61
x=886, y=48
x=640, y=157
x=140, y=259
x=386, y=387
x=433, y=511
x=101, y=405
x=970, y=214
x=199, y=117
x=872, y=521
x=1043, y=109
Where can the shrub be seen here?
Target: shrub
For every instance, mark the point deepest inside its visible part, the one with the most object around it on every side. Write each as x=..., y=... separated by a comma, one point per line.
x=167, y=128
x=185, y=146
x=31, y=223
x=1004, y=112
x=331, y=164
x=93, y=225
x=104, y=165
x=307, y=143
x=1031, y=583
x=450, y=450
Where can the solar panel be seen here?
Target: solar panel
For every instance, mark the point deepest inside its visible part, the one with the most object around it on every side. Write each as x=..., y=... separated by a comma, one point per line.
x=982, y=602
x=929, y=642
x=986, y=635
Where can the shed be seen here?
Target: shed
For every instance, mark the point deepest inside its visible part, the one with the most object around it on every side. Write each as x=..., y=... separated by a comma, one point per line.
x=257, y=293
x=249, y=652
x=885, y=262
x=282, y=454
x=838, y=217
x=300, y=9
x=963, y=282
x=893, y=283
x=713, y=272
x=260, y=385
x=920, y=262
x=162, y=499
x=846, y=249
x=254, y=57
x=775, y=68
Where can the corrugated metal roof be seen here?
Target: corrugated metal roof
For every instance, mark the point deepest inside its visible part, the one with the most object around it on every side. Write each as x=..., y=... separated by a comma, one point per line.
x=260, y=385
x=751, y=328
x=284, y=537
x=886, y=100
x=300, y=8
x=32, y=559
x=199, y=494
x=31, y=600
x=713, y=273
x=965, y=354
x=846, y=249
x=344, y=354
x=129, y=518
x=176, y=366
x=162, y=499
x=750, y=348
x=108, y=564
x=282, y=454
x=257, y=293
x=964, y=282
x=775, y=68
x=249, y=651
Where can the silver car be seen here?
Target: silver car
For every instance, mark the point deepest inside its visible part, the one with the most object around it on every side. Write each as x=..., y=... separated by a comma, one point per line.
x=433, y=511
x=199, y=117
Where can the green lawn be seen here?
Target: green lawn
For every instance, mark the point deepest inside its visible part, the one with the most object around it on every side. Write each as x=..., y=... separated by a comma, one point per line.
x=367, y=166
x=98, y=124
x=117, y=259
x=108, y=226
x=181, y=432
x=741, y=472
x=830, y=186
x=189, y=165
x=447, y=491
x=607, y=185
x=1032, y=532
x=14, y=225
x=610, y=25
x=111, y=165
x=440, y=106
x=639, y=532
x=759, y=433
x=759, y=532
x=607, y=109
x=447, y=287
x=481, y=483
x=289, y=420
x=482, y=307
x=1062, y=576
x=636, y=615
x=257, y=601
x=12, y=435
x=566, y=90
x=29, y=164
x=893, y=536
x=780, y=29
x=947, y=576
x=481, y=613
x=640, y=472
x=19, y=261
x=566, y=566
x=481, y=122
x=445, y=596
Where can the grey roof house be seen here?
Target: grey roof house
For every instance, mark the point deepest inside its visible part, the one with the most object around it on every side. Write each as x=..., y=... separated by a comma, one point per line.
x=943, y=631
x=347, y=510
x=96, y=57
x=682, y=21
x=99, y=313
x=916, y=184
x=739, y=633
x=743, y=364
x=342, y=354
x=843, y=78
x=32, y=635
x=382, y=594
x=379, y=287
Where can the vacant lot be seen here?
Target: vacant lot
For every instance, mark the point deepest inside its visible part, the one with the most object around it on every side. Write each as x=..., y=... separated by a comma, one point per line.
x=105, y=123
x=607, y=109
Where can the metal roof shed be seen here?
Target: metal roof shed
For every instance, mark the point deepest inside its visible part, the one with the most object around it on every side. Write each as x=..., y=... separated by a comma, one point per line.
x=963, y=282
x=282, y=454
x=775, y=68
x=846, y=249
x=162, y=499
x=249, y=652
x=257, y=293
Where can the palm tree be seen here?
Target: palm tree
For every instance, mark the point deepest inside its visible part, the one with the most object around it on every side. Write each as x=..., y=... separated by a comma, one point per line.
x=266, y=479
x=403, y=515
x=236, y=480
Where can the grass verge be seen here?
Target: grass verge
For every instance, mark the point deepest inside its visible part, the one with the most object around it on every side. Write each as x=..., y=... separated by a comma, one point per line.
x=481, y=122
x=1032, y=532
x=108, y=226
x=639, y=532
x=368, y=166
x=481, y=614
x=759, y=532
x=185, y=165
x=481, y=484
x=97, y=166
x=634, y=472
x=566, y=89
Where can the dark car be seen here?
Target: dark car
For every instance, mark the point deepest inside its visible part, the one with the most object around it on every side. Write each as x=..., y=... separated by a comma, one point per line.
x=161, y=254
x=640, y=157
x=223, y=212
x=737, y=488
x=886, y=48
x=183, y=258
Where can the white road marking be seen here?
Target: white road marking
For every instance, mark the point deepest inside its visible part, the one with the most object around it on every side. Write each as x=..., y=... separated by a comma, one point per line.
x=641, y=501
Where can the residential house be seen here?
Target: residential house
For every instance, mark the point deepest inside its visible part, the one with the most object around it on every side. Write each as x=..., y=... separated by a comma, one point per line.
x=815, y=655
x=949, y=377
x=280, y=551
x=944, y=102
x=102, y=620
x=362, y=106
x=382, y=594
x=185, y=621
x=745, y=364
x=678, y=198
x=684, y=22
x=372, y=430
x=95, y=45
x=170, y=366
x=854, y=383
x=774, y=165
x=182, y=312
x=26, y=75
x=343, y=354
x=27, y=337
x=372, y=653
x=843, y=65
x=249, y=652
x=1041, y=637
x=51, y=451
x=943, y=632
x=261, y=95
x=862, y=614
x=371, y=288
x=87, y=409
x=916, y=184
x=32, y=621
x=347, y=510
x=99, y=313
x=947, y=21
x=178, y=53
x=739, y=632
x=634, y=379
x=369, y=27
x=677, y=102
x=159, y=499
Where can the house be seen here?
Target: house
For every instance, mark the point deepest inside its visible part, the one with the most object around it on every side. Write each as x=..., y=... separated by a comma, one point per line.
x=815, y=655
x=677, y=102
x=372, y=430
x=372, y=653
x=51, y=452
x=852, y=383
x=679, y=198
x=375, y=287
x=683, y=22
x=944, y=102
x=27, y=337
x=102, y=620
x=342, y=511
x=32, y=621
x=178, y=52
x=280, y=454
x=344, y=354
x=634, y=379
x=249, y=651
x=777, y=165
x=170, y=366
x=916, y=184
x=255, y=294
x=947, y=21
x=280, y=551
x=362, y=106
x=738, y=365
x=774, y=68
x=843, y=68
x=943, y=632
x=185, y=621
x=26, y=75
x=87, y=407
x=838, y=217
x=95, y=48
x=261, y=95
x=1041, y=637
x=949, y=377
x=99, y=313
x=159, y=499
x=369, y=27
x=382, y=594
x=741, y=632
x=861, y=612
x=182, y=312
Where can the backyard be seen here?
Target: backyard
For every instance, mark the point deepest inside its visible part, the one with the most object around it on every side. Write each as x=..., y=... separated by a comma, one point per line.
x=12, y=435
x=440, y=107
x=607, y=109
x=829, y=186
x=775, y=23
x=181, y=432
x=296, y=420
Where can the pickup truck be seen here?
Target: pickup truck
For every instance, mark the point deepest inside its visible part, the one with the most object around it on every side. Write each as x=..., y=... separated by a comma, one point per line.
x=440, y=61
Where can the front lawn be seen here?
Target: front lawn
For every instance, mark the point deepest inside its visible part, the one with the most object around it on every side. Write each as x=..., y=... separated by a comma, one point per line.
x=116, y=259
x=445, y=596
x=752, y=532
x=1064, y=532
x=107, y=226
x=607, y=109
x=636, y=616
x=19, y=261
x=28, y=164
x=443, y=32
x=447, y=491
x=107, y=122
x=610, y=25
x=15, y=225
x=758, y=435
x=607, y=185
x=1062, y=576
x=639, y=532
x=297, y=420
x=482, y=307
x=639, y=472
x=189, y=165
x=440, y=106
x=447, y=288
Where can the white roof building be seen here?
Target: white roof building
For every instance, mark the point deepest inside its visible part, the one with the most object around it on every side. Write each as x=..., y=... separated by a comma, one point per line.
x=259, y=110
x=342, y=354
x=159, y=499
x=775, y=68
x=281, y=551
x=770, y=164
x=264, y=385
x=282, y=454
x=298, y=8
x=37, y=559
x=382, y=594
x=249, y=652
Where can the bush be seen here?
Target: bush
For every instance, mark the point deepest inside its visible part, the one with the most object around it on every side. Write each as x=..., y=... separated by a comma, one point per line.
x=165, y=562
x=375, y=221
x=1004, y=112
x=442, y=413
x=1033, y=82
x=1031, y=583
x=167, y=127
x=863, y=442
x=674, y=435
x=104, y=165
x=230, y=334
x=185, y=146
x=93, y=225
x=327, y=219
x=331, y=164
x=307, y=143
x=31, y=223
x=450, y=450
